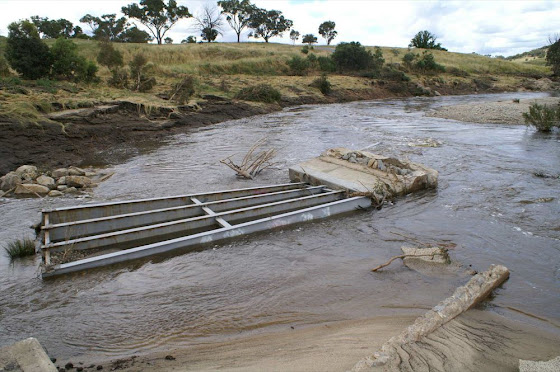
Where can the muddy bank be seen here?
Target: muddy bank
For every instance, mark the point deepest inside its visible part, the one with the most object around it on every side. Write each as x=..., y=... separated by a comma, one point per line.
x=501, y=112
x=475, y=341
x=108, y=134
x=112, y=132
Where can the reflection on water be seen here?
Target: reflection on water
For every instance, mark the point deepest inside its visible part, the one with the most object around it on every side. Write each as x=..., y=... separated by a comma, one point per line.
x=310, y=273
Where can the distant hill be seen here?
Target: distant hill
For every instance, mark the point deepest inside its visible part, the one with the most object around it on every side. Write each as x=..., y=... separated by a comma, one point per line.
x=532, y=54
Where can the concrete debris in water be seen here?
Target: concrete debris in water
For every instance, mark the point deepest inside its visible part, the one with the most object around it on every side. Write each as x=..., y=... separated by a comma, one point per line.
x=25, y=356
x=364, y=172
x=465, y=297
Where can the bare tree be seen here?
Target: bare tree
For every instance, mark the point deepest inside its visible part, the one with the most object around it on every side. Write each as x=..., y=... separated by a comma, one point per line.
x=209, y=22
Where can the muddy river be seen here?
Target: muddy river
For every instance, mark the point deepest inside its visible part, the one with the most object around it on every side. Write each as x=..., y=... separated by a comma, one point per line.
x=489, y=203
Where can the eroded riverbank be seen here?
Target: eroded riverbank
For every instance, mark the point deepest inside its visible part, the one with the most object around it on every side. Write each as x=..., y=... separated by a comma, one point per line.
x=316, y=273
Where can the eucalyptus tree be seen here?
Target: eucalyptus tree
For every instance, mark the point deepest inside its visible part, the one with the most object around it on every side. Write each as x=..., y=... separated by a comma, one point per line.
x=238, y=14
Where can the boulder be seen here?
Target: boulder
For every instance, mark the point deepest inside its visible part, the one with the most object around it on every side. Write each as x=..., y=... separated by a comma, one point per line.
x=46, y=181
x=28, y=172
x=60, y=172
x=55, y=193
x=75, y=171
x=61, y=187
x=10, y=181
x=31, y=189
x=61, y=181
x=71, y=190
x=78, y=181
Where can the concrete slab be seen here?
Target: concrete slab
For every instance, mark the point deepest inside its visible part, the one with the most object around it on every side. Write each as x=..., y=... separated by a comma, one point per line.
x=25, y=356
x=364, y=172
x=552, y=365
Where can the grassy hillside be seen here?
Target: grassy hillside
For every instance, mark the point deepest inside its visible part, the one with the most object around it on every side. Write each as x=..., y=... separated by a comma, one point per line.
x=223, y=69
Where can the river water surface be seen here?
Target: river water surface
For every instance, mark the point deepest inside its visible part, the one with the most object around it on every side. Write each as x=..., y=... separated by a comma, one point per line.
x=489, y=203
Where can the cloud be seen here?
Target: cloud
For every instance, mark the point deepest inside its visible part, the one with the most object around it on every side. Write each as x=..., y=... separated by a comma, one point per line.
x=486, y=27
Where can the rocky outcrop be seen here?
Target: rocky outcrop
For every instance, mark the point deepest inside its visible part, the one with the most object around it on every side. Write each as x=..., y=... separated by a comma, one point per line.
x=27, y=180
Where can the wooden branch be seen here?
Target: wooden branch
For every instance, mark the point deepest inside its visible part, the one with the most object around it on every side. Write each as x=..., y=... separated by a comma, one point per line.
x=404, y=256
x=251, y=164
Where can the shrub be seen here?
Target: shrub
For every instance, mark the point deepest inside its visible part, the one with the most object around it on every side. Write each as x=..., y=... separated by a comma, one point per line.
x=323, y=84
x=140, y=74
x=326, y=64
x=4, y=67
x=543, y=117
x=183, y=90
x=352, y=56
x=20, y=248
x=108, y=56
x=26, y=52
x=553, y=57
x=427, y=62
x=312, y=59
x=118, y=79
x=67, y=64
x=298, y=65
x=305, y=49
x=408, y=59
x=391, y=73
x=259, y=93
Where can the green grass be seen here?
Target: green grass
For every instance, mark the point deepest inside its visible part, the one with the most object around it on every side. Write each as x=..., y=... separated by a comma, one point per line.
x=20, y=248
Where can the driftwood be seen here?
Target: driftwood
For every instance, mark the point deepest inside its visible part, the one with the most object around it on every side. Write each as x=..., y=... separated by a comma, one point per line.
x=252, y=164
x=404, y=256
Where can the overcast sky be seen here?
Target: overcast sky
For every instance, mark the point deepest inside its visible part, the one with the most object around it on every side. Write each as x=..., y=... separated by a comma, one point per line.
x=485, y=27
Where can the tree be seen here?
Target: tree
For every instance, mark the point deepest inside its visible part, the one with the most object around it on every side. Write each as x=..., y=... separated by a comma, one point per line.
x=134, y=35
x=553, y=56
x=268, y=23
x=168, y=40
x=238, y=14
x=326, y=30
x=209, y=22
x=309, y=39
x=107, y=28
x=189, y=40
x=157, y=16
x=425, y=39
x=26, y=52
x=53, y=29
x=294, y=35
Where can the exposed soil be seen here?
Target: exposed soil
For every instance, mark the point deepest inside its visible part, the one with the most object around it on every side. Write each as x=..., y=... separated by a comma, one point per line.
x=115, y=131
x=475, y=341
x=501, y=112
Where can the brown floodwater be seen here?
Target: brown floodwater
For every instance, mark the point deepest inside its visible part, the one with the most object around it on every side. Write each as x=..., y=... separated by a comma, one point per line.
x=489, y=203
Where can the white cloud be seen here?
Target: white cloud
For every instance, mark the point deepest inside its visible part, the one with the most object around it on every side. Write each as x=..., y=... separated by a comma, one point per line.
x=487, y=27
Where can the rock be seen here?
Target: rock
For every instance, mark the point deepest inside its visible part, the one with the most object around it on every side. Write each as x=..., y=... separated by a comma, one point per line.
x=60, y=172
x=61, y=187
x=71, y=190
x=78, y=181
x=75, y=171
x=28, y=172
x=69, y=365
x=90, y=174
x=31, y=189
x=61, y=181
x=46, y=181
x=99, y=368
x=436, y=255
x=436, y=93
x=169, y=357
x=372, y=163
x=55, y=193
x=1, y=193
x=10, y=181
x=79, y=369
x=380, y=165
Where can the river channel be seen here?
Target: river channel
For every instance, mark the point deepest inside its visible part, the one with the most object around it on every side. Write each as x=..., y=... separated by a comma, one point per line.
x=489, y=204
